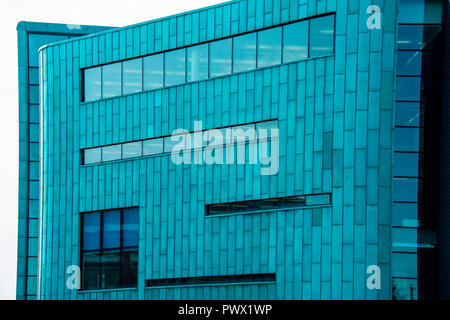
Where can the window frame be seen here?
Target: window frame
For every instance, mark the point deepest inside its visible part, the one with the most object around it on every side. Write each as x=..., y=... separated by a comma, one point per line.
x=101, y=251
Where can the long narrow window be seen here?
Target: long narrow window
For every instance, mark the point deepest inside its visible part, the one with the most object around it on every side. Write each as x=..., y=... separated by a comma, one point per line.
x=109, y=248
x=269, y=204
x=287, y=43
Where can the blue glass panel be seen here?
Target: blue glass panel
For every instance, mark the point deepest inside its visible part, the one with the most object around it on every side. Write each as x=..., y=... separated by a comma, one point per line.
x=269, y=47
x=112, y=80
x=153, y=71
x=197, y=62
x=92, y=84
x=132, y=149
x=91, y=231
x=92, y=155
x=406, y=189
x=111, y=229
x=153, y=146
x=404, y=265
x=132, y=76
x=321, y=38
x=409, y=63
x=417, y=37
x=420, y=11
x=407, y=139
x=220, y=57
x=405, y=215
x=408, y=88
x=130, y=227
x=407, y=114
x=110, y=153
x=129, y=267
x=175, y=67
x=406, y=164
x=404, y=239
x=244, y=52
x=295, y=41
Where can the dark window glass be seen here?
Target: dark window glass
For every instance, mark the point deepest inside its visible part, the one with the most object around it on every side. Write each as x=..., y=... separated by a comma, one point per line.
x=92, y=155
x=407, y=139
x=153, y=146
x=292, y=202
x=132, y=150
x=321, y=36
x=92, y=84
x=418, y=37
x=111, y=229
x=268, y=204
x=404, y=239
x=91, y=231
x=153, y=71
x=220, y=57
x=405, y=215
x=132, y=76
x=406, y=164
x=91, y=271
x=408, y=114
x=110, y=153
x=406, y=189
x=408, y=88
x=420, y=11
x=130, y=227
x=219, y=208
x=129, y=267
x=112, y=80
x=241, y=206
x=110, y=269
x=244, y=52
x=175, y=67
x=404, y=265
x=295, y=41
x=269, y=47
x=197, y=62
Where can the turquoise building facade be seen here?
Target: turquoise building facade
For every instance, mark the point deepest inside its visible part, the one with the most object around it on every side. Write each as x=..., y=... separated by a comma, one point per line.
x=139, y=226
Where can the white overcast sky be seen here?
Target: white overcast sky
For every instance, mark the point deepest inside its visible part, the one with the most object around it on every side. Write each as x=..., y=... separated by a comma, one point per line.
x=90, y=12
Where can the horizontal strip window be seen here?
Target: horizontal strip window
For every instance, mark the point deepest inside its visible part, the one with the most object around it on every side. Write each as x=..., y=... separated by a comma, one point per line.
x=291, y=42
x=164, y=145
x=269, y=204
x=211, y=280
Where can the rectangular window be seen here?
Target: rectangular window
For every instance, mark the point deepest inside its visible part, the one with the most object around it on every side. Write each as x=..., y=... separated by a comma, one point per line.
x=93, y=155
x=153, y=71
x=112, y=80
x=269, y=47
x=321, y=36
x=407, y=139
x=406, y=189
x=175, y=67
x=269, y=204
x=220, y=57
x=132, y=76
x=406, y=164
x=244, y=52
x=93, y=84
x=295, y=41
x=111, y=153
x=132, y=150
x=109, y=249
x=419, y=37
x=153, y=146
x=209, y=280
x=420, y=11
x=408, y=88
x=405, y=214
x=404, y=265
x=408, y=114
x=197, y=62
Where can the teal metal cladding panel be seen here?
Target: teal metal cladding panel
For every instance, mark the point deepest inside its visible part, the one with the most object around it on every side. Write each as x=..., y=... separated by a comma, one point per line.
x=335, y=119
x=30, y=35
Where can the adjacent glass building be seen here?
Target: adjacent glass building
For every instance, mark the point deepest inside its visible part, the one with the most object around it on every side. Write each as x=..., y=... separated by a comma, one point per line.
x=361, y=182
